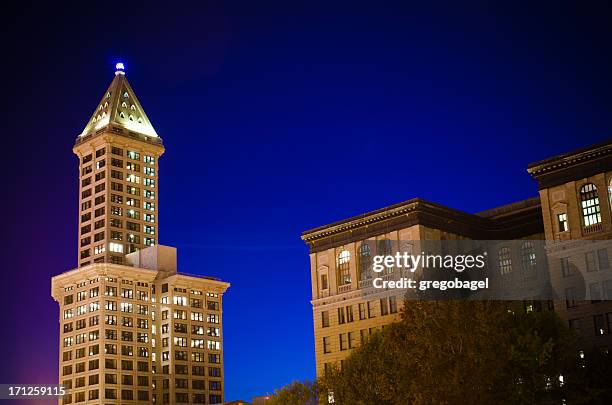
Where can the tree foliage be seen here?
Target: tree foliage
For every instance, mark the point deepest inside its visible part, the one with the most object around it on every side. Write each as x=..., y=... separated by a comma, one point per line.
x=296, y=393
x=474, y=352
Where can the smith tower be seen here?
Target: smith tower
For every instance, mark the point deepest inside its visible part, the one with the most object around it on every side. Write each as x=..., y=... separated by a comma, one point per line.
x=118, y=153
x=133, y=328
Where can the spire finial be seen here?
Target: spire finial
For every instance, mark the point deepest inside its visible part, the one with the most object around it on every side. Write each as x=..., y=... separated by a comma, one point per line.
x=120, y=69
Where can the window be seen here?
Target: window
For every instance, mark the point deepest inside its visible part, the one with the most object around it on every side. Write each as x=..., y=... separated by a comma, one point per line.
x=371, y=309
x=384, y=307
x=562, y=222
x=589, y=203
x=324, y=282
x=393, y=305
x=600, y=325
x=365, y=262
x=326, y=346
x=591, y=264
x=325, y=319
x=528, y=256
x=341, y=316
x=606, y=289
x=116, y=247
x=570, y=298
x=362, y=311
x=602, y=258
x=595, y=292
x=343, y=341
x=343, y=268
x=504, y=260
x=566, y=270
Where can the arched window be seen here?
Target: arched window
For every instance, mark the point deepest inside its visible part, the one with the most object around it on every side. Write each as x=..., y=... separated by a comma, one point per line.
x=343, y=268
x=126, y=95
x=610, y=192
x=589, y=203
x=124, y=105
x=365, y=262
x=528, y=256
x=504, y=260
x=384, y=247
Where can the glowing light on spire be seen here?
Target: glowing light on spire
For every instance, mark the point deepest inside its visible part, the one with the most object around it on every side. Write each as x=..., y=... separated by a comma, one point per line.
x=120, y=68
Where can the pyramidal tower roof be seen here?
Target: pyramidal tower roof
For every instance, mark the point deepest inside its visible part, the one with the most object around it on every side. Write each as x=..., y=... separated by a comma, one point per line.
x=119, y=107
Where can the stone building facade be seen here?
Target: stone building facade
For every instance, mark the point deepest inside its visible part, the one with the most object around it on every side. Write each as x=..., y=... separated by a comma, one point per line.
x=347, y=309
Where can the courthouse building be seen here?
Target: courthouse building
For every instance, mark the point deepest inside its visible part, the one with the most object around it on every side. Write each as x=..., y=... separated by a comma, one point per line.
x=574, y=204
x=133, y=329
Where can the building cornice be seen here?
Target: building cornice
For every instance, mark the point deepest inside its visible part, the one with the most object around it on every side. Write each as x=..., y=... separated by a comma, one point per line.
x=119, y=133
x=220, y=286
x=512, y=221
x=68, y=278
x=578, y=164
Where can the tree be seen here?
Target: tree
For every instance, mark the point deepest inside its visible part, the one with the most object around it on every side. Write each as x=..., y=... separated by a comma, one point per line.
x=452, y=352
x=296, y=393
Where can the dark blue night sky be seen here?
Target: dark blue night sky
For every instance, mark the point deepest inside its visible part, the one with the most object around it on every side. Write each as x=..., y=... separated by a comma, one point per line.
x=278, y=117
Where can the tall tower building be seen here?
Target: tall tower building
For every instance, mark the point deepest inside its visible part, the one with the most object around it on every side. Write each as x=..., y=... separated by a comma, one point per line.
x=133, y=329
x=118, y=153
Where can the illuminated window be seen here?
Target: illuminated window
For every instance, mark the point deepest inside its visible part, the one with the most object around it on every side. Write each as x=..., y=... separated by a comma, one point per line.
x=132, y=178
x=116, y=247
x=562, y=222
x=504, y=260
x=589, y=202
x=528, y=256
x=343, y=268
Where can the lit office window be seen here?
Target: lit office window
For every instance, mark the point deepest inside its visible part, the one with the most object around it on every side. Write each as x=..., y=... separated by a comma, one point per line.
x=589, y=202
